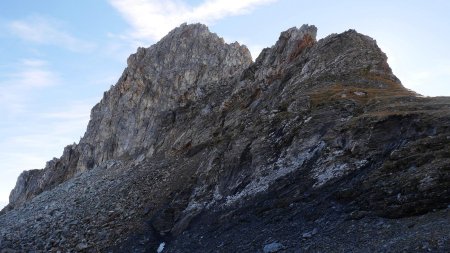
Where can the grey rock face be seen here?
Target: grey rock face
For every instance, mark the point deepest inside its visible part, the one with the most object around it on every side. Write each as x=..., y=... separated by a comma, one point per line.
x=176, y=71
x=315, y=146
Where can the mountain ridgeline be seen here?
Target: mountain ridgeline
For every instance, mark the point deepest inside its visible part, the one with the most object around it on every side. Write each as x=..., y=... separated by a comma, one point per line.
x=314, y=147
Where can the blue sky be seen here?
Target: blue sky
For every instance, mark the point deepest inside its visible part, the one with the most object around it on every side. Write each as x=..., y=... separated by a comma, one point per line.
x=58, y=57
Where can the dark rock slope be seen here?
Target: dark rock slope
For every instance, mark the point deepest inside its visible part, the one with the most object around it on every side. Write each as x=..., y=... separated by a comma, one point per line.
x=314, y=147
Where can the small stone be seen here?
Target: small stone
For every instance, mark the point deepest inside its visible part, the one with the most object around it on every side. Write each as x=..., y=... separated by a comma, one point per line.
x=310, y=233
x=73, y=223
x=359, y=93
x=103, y=235
x=161, y=247
x=273, y=247
x=82, y=246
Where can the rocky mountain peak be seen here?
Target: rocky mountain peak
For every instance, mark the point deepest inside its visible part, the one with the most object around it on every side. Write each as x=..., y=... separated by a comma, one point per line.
x=290, y=45
x=181, y=68
x=198, y=149
x=348, y=53
x=182, y=64
x=185, y=66
x=189, y=44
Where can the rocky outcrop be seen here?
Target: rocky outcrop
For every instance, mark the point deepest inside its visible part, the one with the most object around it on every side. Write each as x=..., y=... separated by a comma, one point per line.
x=176, y=71
x=315, y=146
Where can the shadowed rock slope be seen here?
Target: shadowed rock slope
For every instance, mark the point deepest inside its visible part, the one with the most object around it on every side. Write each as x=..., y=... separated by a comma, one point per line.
x=314, y=147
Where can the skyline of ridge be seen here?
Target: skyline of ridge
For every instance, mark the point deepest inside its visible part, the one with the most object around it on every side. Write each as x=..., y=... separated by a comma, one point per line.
x=59, y=58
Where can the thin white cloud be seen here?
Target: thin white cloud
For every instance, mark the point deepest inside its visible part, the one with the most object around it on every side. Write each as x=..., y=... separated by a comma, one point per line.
x=78, y=111
x=46, y=138
x=34, y=73
x=217, y=9
x=16, y=87
x=44, y=31
x=152, y=19
x=34, y=62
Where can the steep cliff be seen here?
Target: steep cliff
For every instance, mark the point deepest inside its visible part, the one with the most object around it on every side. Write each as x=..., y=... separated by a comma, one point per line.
x=174, y=72
x=315, y=146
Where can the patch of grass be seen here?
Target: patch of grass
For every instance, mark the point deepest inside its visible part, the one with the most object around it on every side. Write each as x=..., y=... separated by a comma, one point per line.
x=360, y=93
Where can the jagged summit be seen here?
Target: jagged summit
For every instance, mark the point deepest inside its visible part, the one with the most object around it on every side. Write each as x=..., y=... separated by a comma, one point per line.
x=290, y=44
x=187, y=63
x=191, y=44
x=314, y=146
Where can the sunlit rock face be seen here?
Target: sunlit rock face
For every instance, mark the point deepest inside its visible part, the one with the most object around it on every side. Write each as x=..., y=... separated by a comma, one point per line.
x=315, y=146
x=176, y=71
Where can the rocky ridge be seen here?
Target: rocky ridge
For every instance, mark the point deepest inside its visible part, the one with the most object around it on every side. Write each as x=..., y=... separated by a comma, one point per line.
x=315, y=146
x=176, y=71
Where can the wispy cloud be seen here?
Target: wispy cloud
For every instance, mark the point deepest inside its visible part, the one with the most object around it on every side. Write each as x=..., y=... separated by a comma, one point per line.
x=52, y=131
x=77, y=111
x=48, y=32
x=152, y=19
x=34, y=74
x=16, y=87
